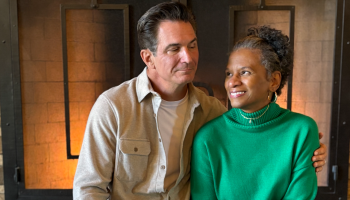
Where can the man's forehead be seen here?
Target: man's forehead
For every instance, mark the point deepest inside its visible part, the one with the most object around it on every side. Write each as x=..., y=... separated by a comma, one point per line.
x=175, y=30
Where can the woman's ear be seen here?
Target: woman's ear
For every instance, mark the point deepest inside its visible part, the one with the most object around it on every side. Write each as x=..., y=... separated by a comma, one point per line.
x=275, y=80
x=147, y=57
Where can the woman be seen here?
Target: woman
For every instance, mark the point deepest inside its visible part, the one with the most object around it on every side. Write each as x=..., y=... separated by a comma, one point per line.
x=256, y=150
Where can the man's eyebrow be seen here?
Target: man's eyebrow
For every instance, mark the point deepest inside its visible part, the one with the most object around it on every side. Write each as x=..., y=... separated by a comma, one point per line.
x=178, y=44
x=195, y=39
x=172, y=45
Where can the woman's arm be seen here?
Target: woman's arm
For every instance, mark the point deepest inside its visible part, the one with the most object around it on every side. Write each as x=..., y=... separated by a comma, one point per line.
x=202, y=182
x=303, y=180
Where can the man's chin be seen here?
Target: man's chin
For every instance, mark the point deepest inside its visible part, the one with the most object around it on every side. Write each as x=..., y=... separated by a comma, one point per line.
x=185, y=81
x=189, y=79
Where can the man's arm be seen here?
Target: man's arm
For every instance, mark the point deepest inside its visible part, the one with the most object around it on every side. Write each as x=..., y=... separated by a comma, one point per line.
x=97, y=155
x=320, y=155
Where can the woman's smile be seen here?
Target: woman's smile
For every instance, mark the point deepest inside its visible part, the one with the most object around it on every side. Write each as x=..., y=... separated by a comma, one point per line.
x=237, y=94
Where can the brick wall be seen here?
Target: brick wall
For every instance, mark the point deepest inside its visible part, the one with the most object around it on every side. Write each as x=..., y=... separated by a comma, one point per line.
x=95, y=63
x=313, y=63
x=46, y=166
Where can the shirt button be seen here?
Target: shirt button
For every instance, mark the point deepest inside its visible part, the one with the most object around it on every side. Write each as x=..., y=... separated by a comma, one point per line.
x=136, y=149
x=160, y=140
x=162, y=167
x=154, y=115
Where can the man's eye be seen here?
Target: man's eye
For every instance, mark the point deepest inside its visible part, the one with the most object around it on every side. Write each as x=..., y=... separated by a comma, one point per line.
x=173, y=49
x=228, y=74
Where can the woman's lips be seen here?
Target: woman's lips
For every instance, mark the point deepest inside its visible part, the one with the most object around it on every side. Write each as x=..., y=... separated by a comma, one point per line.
x=236, y=94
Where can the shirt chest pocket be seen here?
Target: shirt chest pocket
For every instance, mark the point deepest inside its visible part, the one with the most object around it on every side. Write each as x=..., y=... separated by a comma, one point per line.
x=133, y=159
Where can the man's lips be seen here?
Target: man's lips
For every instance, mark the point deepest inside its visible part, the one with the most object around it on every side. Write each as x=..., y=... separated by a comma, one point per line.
x=237, y=94
x=186, y=69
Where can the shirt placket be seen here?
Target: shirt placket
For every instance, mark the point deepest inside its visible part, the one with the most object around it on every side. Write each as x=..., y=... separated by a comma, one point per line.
x=161, y=171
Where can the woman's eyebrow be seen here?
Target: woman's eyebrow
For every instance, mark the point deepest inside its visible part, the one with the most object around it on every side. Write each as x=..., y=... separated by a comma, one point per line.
x=245, y=67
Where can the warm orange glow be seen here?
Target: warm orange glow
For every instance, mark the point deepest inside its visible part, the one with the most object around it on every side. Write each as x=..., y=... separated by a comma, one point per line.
x=90, y=72
x=93, y=68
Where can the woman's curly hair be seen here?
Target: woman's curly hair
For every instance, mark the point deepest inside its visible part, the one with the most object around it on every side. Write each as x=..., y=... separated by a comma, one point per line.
x=276, y=52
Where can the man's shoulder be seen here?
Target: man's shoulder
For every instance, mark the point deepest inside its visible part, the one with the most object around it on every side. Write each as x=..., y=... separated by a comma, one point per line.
x=209, y=102
x=210, y=107
x=121, y=95
x=122, y=88
x=206, y=100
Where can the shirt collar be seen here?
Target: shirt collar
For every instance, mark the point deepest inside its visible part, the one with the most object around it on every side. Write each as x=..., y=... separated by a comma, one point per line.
x=144, y=87
x=193, y=95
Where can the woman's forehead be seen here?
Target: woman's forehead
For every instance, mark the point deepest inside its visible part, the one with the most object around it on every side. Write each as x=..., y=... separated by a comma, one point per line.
x=245, y=57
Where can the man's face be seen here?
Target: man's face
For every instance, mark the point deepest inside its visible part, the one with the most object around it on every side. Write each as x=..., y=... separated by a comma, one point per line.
x=177, y=53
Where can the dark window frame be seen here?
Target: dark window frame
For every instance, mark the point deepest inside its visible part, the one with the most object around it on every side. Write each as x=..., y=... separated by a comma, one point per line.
x=13, y=152
x=95, y=6
x=11, y=108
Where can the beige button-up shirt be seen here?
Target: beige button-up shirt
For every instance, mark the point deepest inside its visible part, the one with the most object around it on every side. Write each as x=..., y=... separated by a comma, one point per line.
x=122, y=156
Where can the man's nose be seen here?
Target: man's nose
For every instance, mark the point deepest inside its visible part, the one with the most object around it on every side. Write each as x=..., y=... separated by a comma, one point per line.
x=186, y=55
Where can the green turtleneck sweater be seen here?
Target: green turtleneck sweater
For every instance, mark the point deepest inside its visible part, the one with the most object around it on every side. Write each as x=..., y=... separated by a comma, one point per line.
x=269, y=158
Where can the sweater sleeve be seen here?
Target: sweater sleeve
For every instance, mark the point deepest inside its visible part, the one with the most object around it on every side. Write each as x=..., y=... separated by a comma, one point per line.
x=97, y=155
x=202, y=181
x=303, y=180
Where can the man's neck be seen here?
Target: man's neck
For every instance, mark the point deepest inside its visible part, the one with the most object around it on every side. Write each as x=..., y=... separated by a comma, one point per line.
x=167, y=91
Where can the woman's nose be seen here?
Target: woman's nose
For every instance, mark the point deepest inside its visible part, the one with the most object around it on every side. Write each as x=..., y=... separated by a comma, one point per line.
x=235, y=80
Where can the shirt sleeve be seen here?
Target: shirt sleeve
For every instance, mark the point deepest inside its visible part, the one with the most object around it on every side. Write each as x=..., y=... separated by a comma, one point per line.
x=97, y=156
x=202, y=181
x=303, y=184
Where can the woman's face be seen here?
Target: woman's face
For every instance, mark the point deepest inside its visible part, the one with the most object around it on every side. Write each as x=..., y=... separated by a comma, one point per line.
x=247, y=83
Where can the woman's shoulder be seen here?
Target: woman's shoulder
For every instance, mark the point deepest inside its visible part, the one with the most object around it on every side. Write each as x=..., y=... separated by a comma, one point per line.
x=300, y=119
x=214, y=125
x=304, y=126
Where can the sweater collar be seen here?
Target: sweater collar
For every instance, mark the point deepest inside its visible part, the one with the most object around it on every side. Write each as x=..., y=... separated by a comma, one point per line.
x=262, y=116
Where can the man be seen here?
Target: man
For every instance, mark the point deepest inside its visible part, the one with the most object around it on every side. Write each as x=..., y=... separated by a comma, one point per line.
x=138, y=138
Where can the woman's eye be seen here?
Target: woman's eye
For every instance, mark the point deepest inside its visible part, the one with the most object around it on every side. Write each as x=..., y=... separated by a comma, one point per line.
x=245, y=73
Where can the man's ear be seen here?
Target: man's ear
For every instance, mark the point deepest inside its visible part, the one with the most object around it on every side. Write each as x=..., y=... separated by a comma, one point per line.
x=147, y=57
x=275, y=80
